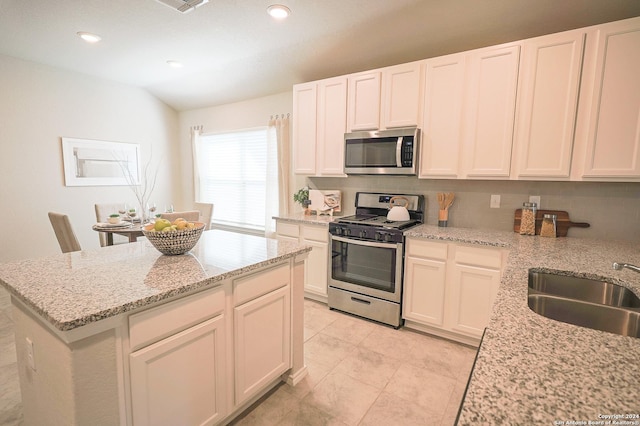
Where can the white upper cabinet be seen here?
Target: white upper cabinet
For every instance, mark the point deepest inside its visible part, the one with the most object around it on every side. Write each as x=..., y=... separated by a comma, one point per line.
x=610, y=103
x=443, y=117
x=401, y=95
x=547, y=102
x=385, y=98
x=319, y=124
x=364, y=101
x=564, y=106
x=304, y=128
x=332, y=124
x=489, y=112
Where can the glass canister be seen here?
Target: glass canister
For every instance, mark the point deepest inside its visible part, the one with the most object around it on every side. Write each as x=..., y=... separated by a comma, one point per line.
x=528, y=219
x=548, y=228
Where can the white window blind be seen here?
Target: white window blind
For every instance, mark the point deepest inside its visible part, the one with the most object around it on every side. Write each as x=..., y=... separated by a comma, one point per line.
x=233, y=176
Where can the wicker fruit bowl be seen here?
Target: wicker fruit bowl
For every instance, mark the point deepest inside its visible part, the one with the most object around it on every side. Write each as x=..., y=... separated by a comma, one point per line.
x=175, y=242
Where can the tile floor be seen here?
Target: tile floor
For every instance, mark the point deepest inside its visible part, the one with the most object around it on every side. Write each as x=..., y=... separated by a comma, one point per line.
x=360, y=373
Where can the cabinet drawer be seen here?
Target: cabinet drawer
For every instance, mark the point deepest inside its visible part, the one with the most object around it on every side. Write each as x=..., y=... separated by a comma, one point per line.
x=487, y=257
x=315, y=233
x=287, y=229
x=260, y=283
x=427, y=249
x=157, y=323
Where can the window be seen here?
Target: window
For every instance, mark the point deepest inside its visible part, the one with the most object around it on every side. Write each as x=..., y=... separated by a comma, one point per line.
x=235, y=174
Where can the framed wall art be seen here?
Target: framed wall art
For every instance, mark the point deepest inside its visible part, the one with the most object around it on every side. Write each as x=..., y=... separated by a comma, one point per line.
x=96, y=163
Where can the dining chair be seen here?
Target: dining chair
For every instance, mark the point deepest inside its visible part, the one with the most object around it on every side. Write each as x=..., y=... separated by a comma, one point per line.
x=206, y=212
x=64, y=232
x=190, y=215
x=103, y=211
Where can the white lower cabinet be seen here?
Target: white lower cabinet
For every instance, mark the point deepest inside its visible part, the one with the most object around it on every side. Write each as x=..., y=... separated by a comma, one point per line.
x=473, y=289
x=181, y=379
x=262, y=330
x=262, y=339
x=201, y=359
x=316, y=274
x=449, y=289
x=426, y=271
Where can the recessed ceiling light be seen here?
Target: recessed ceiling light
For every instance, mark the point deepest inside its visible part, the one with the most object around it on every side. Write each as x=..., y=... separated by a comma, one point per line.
x=175, y=64
x=88, y=37
x=278, y=11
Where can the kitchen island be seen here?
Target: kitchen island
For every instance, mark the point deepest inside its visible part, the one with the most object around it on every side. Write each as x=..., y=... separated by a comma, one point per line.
x=536, y=371
x=124, y=334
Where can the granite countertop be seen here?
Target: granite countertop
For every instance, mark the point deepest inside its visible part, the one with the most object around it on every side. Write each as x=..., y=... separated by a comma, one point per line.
x=307, y=219
x=73, y=289
x=534, y=370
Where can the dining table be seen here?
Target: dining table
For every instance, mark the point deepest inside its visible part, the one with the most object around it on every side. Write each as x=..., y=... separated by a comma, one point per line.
x=130, y=230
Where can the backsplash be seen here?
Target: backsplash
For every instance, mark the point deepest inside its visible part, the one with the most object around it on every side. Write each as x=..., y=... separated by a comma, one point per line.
x=612, y=209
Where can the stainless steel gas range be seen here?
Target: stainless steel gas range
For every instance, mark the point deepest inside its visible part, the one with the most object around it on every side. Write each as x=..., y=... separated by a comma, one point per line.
x=367, y=253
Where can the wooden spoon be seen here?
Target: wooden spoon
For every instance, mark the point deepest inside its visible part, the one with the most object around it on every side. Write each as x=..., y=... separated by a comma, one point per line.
x=448, y=201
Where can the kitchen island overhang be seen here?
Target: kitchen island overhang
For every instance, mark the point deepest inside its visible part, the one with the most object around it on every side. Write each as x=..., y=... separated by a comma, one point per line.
x=74, y=314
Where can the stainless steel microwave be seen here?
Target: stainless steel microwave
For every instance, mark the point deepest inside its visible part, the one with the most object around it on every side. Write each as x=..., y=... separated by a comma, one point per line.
x=386, y=152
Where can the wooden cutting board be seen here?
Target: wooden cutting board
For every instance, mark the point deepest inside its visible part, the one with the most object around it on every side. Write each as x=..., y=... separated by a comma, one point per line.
x=562, y=223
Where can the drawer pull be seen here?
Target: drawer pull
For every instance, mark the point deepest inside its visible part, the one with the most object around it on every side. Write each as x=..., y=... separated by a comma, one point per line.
x=355, y=299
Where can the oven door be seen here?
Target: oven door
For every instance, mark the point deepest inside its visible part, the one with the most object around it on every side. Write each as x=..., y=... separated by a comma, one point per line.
x=367, y=267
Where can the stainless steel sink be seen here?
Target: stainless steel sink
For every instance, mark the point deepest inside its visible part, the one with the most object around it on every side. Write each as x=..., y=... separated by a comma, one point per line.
x=584, y=302
x=584, y=289
x=591, y=315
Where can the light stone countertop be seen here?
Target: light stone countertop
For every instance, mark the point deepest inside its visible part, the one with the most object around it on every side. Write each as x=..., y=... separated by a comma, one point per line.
x=533, y=370
x=308, y=219
x=73, y=289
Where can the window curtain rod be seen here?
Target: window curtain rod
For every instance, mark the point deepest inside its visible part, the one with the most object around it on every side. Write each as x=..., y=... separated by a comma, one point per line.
x=280, y=116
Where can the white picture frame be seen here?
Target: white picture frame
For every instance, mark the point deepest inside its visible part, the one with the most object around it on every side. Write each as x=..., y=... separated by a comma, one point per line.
x=89, y=162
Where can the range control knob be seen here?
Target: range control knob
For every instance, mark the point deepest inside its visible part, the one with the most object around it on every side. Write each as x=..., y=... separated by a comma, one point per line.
x=379, y=236
x=362, y=234
x=387, y=237
x=346, y=232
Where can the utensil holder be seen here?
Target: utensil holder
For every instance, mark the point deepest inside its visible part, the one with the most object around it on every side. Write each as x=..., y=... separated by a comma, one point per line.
x=443, y=218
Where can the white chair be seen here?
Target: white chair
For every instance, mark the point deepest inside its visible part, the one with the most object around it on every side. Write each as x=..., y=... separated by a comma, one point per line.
x=206, y=213
x=190, y=215
x=64, y=232
x=103, y=211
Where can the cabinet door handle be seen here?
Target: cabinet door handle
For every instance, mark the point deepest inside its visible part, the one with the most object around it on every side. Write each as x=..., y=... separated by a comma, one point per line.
x=355, y=299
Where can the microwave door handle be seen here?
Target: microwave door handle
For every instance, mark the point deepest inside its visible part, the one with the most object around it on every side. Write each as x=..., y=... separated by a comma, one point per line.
x=399, y=152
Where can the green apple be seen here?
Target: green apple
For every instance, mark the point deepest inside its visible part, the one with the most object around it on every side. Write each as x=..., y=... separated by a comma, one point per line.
x=161, y=224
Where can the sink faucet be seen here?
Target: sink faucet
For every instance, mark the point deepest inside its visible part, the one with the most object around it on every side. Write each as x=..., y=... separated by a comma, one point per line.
x=619, y=266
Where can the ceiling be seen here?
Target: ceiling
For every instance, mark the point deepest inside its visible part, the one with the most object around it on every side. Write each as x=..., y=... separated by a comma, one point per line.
x=232, y=50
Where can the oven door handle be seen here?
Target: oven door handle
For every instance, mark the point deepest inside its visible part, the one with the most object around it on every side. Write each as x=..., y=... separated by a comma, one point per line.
x=364, y=243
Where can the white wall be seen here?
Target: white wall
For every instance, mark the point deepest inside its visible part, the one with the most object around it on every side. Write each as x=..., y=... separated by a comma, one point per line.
x=240, y=115
x=38, y=106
